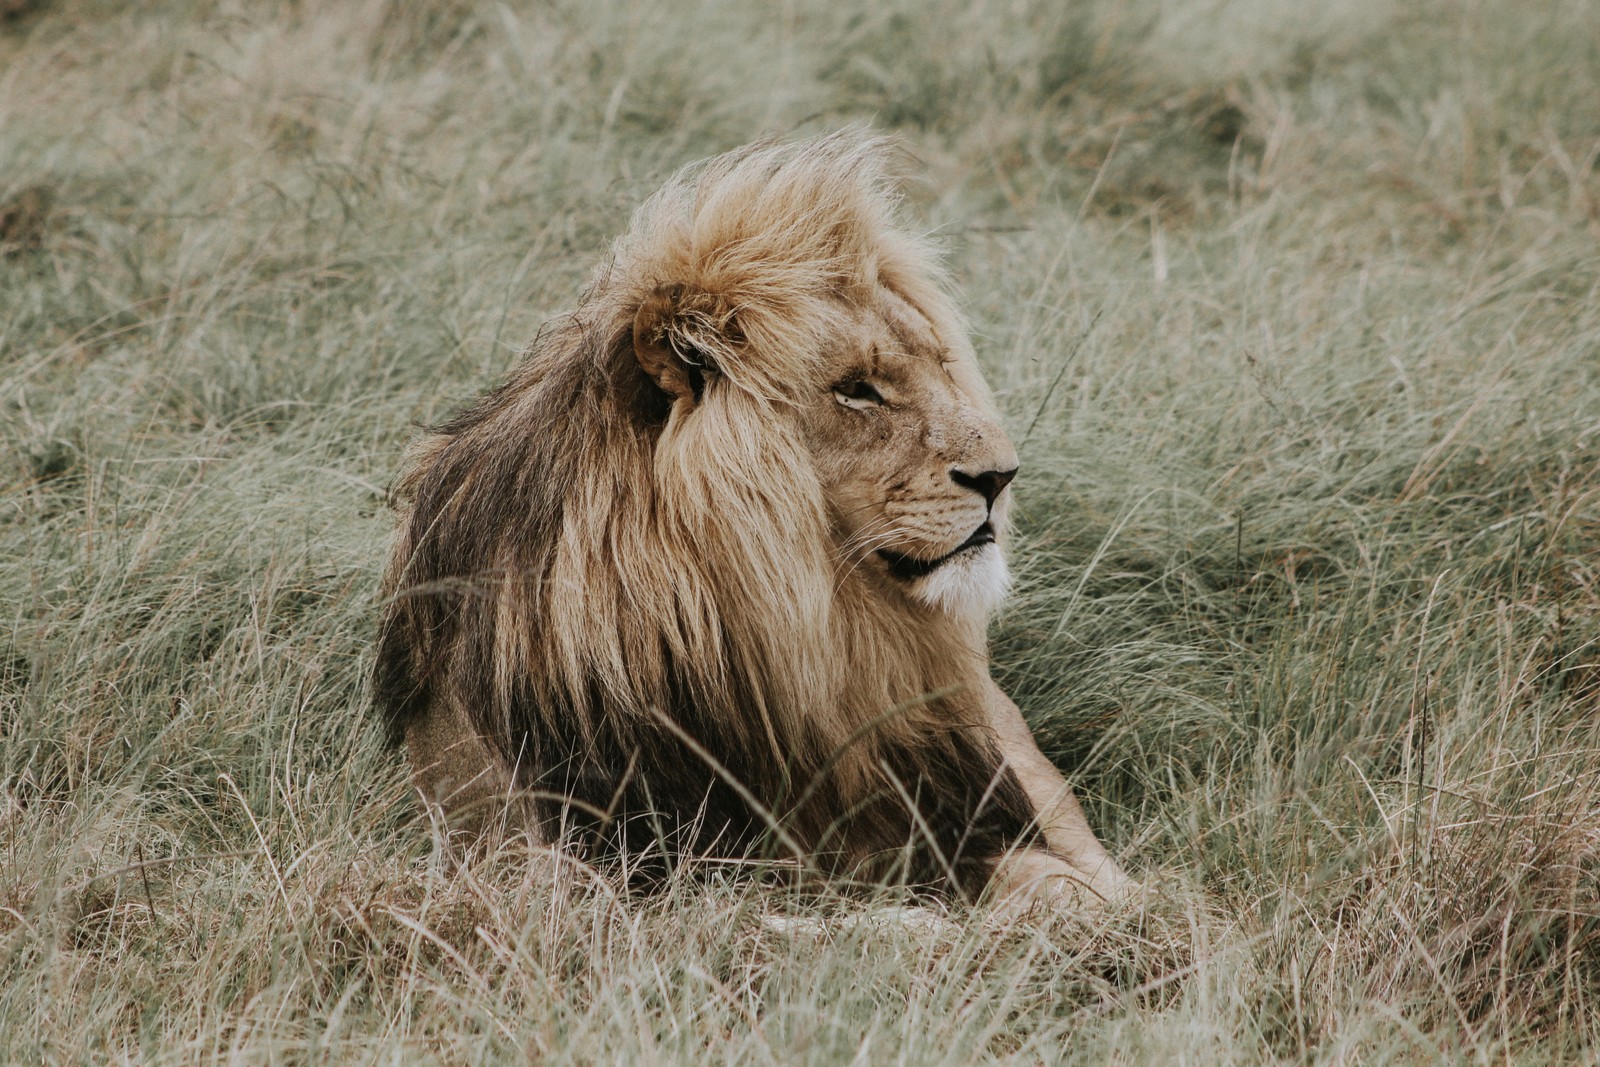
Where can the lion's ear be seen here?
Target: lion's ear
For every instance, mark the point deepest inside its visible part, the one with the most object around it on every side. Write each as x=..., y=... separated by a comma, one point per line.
x=675, y=332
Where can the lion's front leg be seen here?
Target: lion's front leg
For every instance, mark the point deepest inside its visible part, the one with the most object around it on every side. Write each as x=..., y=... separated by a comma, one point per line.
x=1061, y=820
x=466, y=790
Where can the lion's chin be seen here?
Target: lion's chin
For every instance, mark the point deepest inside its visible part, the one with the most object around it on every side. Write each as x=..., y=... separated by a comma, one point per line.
x=975, y=582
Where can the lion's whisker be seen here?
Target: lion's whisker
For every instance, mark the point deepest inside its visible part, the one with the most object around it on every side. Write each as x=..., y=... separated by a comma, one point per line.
x=864, y=552
x=868, y=541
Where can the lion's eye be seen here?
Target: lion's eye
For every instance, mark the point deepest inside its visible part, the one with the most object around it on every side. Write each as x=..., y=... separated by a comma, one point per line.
x=857, y=394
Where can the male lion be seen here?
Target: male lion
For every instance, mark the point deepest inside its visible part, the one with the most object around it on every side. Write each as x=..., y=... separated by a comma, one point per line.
x=711, y=571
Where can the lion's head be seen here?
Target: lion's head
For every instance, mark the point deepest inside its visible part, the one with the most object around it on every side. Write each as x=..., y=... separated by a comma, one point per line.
x=729, y=537
x=887, y=409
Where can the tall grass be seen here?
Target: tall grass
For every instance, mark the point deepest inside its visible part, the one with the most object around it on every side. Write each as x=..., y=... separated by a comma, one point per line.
x=1294, y=320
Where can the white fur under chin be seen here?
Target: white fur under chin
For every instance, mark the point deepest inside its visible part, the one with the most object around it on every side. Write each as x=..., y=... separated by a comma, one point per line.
x=974, y=583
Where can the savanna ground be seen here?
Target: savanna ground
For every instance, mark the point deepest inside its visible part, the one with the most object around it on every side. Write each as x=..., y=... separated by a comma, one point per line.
x=1291, y=310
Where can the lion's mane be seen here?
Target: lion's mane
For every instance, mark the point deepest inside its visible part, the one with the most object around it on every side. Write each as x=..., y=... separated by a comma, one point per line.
x=641, y=609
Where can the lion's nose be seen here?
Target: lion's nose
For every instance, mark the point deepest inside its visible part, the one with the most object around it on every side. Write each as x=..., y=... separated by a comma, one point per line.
x=989, y=483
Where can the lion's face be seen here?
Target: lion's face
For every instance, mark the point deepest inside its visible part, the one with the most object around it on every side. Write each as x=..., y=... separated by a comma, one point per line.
x=913, y=465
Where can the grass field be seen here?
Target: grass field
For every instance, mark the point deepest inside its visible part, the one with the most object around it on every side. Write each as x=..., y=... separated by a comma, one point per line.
x=1292, y=312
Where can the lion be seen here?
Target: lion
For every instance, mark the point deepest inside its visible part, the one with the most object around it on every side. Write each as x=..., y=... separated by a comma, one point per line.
x=710, y=573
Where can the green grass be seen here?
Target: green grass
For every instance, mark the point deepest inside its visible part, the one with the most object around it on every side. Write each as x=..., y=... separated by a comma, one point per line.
x=1294, y=320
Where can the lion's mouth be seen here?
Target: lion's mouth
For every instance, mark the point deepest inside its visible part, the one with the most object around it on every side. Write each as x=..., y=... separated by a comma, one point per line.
x=910, y=568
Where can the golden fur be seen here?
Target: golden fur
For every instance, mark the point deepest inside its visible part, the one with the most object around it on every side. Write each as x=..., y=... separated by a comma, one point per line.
x=711, y=571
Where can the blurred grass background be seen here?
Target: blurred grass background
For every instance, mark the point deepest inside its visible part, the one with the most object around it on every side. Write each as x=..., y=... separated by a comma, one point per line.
x=1292, y=313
